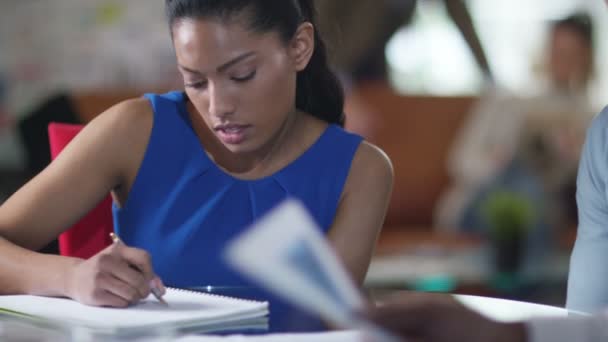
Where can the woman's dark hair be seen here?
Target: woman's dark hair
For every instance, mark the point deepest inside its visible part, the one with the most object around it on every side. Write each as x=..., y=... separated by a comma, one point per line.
x=580, y=23
x=319, y=91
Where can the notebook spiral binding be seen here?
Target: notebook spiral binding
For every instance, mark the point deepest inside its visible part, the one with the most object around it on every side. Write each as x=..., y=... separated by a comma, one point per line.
x=177, y=289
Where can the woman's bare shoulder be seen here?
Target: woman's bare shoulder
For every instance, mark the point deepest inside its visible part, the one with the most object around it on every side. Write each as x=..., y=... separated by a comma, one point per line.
x=127, y=118
x=371, y=168
x=373, y=159
x=119, y=136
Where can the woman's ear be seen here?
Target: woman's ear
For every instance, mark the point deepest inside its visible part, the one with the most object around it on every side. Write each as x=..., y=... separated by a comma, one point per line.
x=302, y=46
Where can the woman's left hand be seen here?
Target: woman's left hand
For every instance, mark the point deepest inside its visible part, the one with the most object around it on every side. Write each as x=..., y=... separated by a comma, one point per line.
x=440, y=318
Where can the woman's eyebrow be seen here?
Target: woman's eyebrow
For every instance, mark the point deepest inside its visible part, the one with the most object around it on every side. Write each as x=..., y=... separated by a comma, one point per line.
x=234, y=61
x=222, y=67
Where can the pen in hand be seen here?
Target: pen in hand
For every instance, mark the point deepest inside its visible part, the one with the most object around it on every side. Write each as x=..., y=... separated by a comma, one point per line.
x=153, y=288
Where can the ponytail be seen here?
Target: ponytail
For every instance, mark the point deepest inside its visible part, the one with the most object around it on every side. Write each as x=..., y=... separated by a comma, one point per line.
x=319, y=92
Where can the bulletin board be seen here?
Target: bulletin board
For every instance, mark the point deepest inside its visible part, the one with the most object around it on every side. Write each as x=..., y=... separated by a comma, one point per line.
x=74, y=44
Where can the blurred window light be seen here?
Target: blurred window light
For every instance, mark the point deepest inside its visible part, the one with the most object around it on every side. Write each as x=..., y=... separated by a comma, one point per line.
x=431, y=57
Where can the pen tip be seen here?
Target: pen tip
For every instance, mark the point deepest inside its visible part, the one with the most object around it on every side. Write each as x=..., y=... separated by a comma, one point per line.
x=158, y=296
x=162, y=301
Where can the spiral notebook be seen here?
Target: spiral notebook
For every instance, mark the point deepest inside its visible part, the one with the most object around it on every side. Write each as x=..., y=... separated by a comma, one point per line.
x=186, y=310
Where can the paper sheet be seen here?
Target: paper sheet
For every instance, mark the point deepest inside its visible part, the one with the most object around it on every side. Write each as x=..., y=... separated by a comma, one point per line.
x=286, y=252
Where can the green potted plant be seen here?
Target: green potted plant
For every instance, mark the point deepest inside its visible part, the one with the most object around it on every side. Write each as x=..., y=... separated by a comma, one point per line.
x=509, y=215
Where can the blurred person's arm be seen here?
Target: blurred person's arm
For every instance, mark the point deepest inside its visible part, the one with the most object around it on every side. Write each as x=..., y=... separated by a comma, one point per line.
x=588, y=278
x=487, y=139
x=483, y=146
x=441, y=318
x=459, y=13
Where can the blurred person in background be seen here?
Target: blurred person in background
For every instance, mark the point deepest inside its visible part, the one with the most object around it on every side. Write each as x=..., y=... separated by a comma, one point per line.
x=528, y=145
x=438, y=318
x=358, y=31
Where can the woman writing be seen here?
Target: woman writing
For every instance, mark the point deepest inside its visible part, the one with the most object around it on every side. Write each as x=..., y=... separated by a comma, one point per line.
x=259, y=121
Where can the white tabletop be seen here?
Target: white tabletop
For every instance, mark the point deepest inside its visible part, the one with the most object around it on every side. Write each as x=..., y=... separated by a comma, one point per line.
x=497, y=309
x=509, y=310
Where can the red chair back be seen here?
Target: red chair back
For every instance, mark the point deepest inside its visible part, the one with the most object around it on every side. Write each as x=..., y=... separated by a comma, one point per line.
x=91, y=234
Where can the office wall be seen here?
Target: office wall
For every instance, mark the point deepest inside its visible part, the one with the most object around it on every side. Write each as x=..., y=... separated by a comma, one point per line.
x=74, y=44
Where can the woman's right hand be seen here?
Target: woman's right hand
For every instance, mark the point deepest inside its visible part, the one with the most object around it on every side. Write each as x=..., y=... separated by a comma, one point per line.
x=118, y=276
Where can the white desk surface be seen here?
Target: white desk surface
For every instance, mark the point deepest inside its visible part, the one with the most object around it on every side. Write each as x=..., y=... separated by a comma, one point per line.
x=498, y=309
x=509, y=310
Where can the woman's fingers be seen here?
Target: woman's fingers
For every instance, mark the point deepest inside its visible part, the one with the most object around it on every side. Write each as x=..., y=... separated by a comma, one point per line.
x=106, y=298
x=118, y=276
x=138, y=258
x=121, y=270
x=119, y=288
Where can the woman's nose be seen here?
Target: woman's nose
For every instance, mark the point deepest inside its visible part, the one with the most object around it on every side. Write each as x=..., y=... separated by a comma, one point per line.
x=221, y=103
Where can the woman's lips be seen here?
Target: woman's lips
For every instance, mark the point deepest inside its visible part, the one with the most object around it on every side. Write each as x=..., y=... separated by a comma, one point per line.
x=232, y=134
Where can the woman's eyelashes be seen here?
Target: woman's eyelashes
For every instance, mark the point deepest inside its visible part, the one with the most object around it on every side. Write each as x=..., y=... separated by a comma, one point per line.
x=196, y=85
x=240, y=79
x=245, y=77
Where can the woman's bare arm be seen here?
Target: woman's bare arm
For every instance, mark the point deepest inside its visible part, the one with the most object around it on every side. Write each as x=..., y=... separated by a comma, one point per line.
x=362, y=209
x=93, y=164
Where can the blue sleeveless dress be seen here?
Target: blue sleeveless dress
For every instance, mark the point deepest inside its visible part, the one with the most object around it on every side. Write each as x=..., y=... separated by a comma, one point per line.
x=183, y=209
